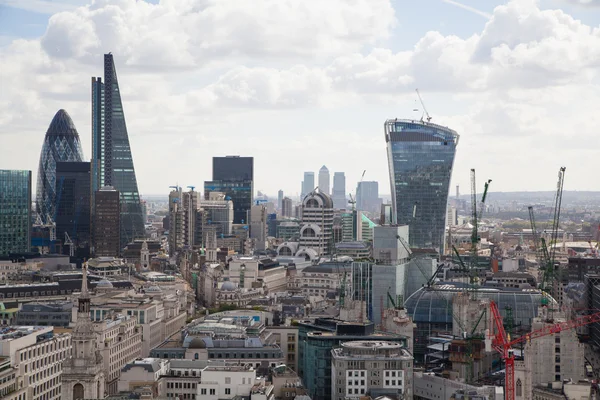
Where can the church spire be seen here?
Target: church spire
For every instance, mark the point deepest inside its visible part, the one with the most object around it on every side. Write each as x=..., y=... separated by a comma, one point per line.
x=84, y=298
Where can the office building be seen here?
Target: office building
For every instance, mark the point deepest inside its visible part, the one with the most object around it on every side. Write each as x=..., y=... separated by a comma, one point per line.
x=367, y=196
x=324, y=180
x=32, y=360
x=176, y=220
x=308, y=184
x=107, y=223
x=279, y=199
x=219, y=213
x=316, y=232
x=374, y=368
x=258, y=226
x=73, y=216
x=420, y=159
x=592, y=299
x=61, y=143
x=112, y=159
x=15, y=218
x=339, y=191
x=234, y=176
x=286, y=207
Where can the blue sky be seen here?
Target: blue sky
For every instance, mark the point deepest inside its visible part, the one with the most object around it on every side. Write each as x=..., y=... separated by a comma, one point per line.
x=215, y=78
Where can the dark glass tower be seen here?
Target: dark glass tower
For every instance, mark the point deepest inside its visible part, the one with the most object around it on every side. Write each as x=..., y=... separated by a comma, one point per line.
x=60, y=144
x=112, y=161
x=420, y=160
x=73, y=212
x=15, y=211
x=234, y=176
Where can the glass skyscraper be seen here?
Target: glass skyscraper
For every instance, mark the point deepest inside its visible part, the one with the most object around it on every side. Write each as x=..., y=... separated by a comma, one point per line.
x=420, y=160
x=60, y=144
x=15, y=211
x=112, y=162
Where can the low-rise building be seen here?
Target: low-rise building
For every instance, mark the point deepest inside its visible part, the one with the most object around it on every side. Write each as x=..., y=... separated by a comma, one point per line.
x=32, y=357
x=374, y=368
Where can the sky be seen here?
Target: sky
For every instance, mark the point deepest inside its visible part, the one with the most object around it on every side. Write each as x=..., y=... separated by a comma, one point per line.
x=298, y=84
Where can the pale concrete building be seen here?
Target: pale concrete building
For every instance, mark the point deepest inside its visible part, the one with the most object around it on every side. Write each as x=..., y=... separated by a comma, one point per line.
x=374, y=368
x=258, y=226
x=316, y=232
x=31, y=358
x=144, y=372
x=252, y=272
x=226, y=382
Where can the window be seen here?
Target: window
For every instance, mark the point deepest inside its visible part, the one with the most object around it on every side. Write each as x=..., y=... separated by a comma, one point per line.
x=202, y=391
x=213, y=392
x=519, y=388
x=227, y=391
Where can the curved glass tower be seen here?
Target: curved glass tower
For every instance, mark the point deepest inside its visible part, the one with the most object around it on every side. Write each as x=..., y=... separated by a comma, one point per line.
x=420, y=160
x=60, y=144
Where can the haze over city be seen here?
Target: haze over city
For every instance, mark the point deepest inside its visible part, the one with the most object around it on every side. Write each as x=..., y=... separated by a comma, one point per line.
x=300, y=84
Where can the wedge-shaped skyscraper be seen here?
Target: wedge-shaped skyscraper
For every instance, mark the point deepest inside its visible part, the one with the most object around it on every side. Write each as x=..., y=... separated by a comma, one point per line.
x=60, y=144
x=112, y=161
x=420, y=160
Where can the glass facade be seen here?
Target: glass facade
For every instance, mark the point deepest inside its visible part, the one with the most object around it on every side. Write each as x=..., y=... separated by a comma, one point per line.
x=112, y=161
x=15, y=211
x=233, y=168
x=239, y=192
x=420, y=161
x=60, y=144
x=73, y=208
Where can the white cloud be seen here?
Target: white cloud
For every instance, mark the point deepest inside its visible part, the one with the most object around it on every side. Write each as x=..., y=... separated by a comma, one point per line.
x=314, y=79
x=41, y=6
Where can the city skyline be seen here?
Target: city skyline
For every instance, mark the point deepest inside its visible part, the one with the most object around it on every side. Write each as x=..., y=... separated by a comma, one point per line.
x=458, y=57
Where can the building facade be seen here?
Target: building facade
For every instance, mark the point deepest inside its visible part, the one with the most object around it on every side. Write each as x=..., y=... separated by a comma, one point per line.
x=61, y=143
x=316, y=232
x=367, y=196
x=112, y=160
x=15, y=218
x=324, y=180
x=107, y=223
x=74, y=206
x=375, y=368
x=286, y=207
x=420, y=161
x=339, y=191
x=234, y=176
x=308, y=184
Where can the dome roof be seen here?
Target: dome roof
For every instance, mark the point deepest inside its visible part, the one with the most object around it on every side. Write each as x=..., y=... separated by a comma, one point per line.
x=62, y=125
x=197, y=343
x=434, y=305
x=104, y=284
x=228, y=286
x=154, y=289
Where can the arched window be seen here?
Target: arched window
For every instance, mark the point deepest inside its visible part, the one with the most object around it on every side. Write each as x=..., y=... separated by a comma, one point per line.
x=78, y=391
x=196, y=356
x=312, y=203
x=519, y=391
x=309, y=232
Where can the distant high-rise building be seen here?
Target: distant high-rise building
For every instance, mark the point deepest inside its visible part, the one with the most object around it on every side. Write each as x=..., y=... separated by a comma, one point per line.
x=74, y=206
x=324, y=180
x=286, y=207
x=176, y=220
x=420, y=159
x=367, y=196
x=258, y=226
x=308, y=184
x=112, y=160
x=15, y=211
x=339, y=191
x=234, y=176
x=107, y=222
x=219, y=213
x=61, y=143
x=279, y=199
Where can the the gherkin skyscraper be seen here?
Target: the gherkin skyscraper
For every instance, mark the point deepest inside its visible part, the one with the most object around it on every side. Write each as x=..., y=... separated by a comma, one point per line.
x=60, y=144
x=112, y=161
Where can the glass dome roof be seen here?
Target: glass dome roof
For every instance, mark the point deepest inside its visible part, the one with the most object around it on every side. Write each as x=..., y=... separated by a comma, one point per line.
x=434, y=305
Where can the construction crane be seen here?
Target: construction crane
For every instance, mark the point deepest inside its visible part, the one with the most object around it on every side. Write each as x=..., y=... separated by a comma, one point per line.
x=534, y=233
x=500, y=341
x=69, y=242
x=191, y=188
x=424, y=108
x=550, y=257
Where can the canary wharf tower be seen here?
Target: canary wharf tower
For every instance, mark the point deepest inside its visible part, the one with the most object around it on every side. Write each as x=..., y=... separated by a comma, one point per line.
x=112, y=161
x=420, y=160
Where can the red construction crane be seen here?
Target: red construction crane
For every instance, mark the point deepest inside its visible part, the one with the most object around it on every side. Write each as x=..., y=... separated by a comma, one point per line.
x=502, y=344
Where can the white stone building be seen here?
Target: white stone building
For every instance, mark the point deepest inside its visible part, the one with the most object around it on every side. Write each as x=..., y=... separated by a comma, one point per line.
x=316, y=230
